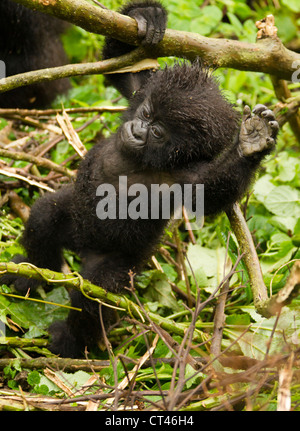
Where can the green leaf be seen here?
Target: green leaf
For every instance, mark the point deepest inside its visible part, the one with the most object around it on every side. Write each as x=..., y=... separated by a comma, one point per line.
x=263, y=187
x=34, y=378
x=207, y=265
x=255, y=342
x=38, y=316
x=283, y=201
x=41, y=389
x=60, y=153
x=159, y=290
x=169, y=271
x=238, y=319
x=235, y=22
x=207, y=21
x=287, y=29
x=293, y=5
x=3, y=123
x=296, y=240
x=285, y=224
x=76, y=380
x=287, y=168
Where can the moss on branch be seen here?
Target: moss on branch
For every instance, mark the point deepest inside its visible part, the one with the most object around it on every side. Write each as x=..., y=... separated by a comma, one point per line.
x=267, y=55
x=93, y=292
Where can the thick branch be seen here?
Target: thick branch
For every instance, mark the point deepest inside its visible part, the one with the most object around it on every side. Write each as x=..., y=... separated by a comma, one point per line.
x=243, y=235
x=268, y=55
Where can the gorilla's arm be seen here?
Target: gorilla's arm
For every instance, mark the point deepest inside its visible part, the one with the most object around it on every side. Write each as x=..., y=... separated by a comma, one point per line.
x=151, y=19
x=228, y=176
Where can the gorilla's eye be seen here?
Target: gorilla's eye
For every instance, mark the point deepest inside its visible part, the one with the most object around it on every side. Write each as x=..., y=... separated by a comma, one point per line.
x=146, y=113
x=157, y=132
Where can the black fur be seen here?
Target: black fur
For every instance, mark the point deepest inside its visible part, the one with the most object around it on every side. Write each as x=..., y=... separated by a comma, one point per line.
x=178, y=129
x=30, y=40
x=156, y=17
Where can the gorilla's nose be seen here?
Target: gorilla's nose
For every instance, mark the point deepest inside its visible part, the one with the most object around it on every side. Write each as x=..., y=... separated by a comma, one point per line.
x=139, y=130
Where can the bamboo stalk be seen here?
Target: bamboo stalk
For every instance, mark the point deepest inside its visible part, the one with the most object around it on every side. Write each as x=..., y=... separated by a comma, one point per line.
x=96, y=293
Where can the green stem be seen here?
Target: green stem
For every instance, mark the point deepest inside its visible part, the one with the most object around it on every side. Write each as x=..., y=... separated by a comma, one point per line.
x=75, y=281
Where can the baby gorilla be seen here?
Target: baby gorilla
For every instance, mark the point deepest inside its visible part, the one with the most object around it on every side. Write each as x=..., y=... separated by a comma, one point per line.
x=178, y=129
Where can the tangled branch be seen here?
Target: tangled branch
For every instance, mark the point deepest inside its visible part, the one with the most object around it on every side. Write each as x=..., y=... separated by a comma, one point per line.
x=267, y=55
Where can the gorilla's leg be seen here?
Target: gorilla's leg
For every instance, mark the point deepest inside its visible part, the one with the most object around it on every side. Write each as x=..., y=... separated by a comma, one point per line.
x=47, y=231
x=81, y=329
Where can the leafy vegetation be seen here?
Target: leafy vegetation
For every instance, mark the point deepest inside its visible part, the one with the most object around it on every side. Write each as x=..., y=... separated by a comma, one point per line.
x=182, y=281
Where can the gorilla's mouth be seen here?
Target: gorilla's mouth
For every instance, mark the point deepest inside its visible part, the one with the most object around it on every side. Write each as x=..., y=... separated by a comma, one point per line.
x=130, y=138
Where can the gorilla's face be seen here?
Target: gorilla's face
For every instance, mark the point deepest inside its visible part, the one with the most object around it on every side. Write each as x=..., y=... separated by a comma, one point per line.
x=180, y=117
x=144, y=131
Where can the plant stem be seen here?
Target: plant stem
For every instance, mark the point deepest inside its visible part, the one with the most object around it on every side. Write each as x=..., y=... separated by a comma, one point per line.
x=75, y=281
x=243, y=235
x=39, y=161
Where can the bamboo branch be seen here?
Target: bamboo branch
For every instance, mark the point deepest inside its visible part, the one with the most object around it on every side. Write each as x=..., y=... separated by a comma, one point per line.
x=8, y=172
x=93, y=292
x=22, y=342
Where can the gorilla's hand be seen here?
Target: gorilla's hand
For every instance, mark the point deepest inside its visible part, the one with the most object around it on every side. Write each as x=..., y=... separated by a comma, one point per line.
x=258, y=131
x=151, y=21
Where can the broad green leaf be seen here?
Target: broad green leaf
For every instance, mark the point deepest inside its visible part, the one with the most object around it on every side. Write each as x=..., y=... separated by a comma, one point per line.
x=158, y=289
x=38, y=316
x=34, y=378
x=285, y=224
x=263, y=187
x=207, y=265
x=236, y=23
x=207, y=21
x=255, y=342
x=238, y=319
x=293, y=5
x=284, y=255
x=287, y=29
x=283, y=201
